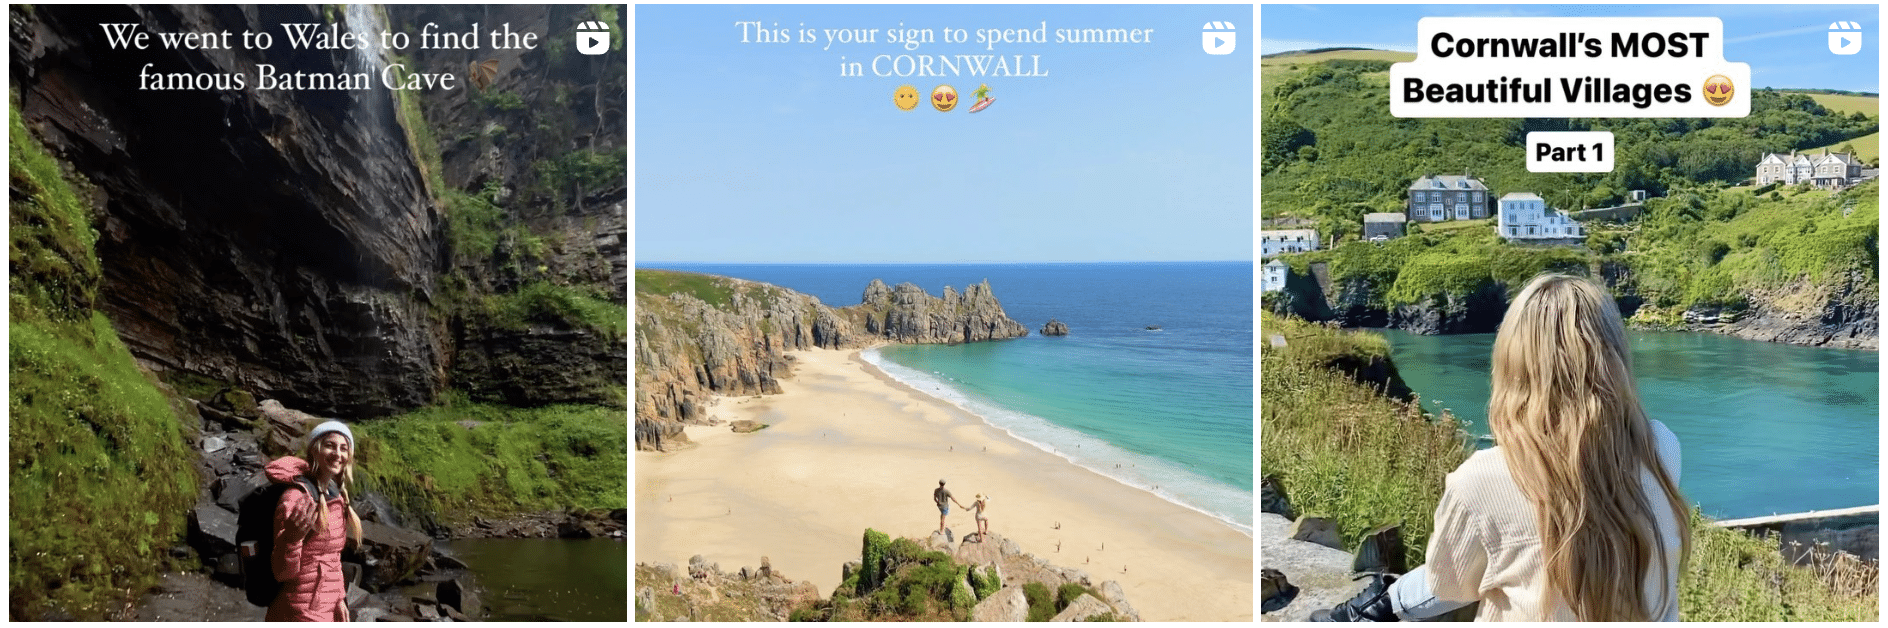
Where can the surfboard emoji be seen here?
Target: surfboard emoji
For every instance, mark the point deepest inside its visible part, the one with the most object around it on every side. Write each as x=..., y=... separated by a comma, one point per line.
x=981, y=104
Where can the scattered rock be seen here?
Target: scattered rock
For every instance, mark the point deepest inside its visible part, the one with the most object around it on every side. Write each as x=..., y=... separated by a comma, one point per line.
x=212, y=529
x=1010, y=548
x=213, y=444
x=939, y=541
x=745, y=426
x=646, y=599
x=766, y=567
x=699, y=567
x=392, y=554
x=1083, y=608
x=1317, y=530
x=1112, y=594
x=1322, y=574
x=1275, y=592
x=1006, y=605
x=1381, y=551
x=457, y=593
x=1272, y=497
x=447, y=562
x=1055, y=328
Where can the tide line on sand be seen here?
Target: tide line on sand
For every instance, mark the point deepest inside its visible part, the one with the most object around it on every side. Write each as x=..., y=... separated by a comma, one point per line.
x=1142, y=472
x=850, y=448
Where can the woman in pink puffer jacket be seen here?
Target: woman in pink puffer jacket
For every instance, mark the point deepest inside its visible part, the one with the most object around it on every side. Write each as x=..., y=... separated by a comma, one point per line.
x=311, y=531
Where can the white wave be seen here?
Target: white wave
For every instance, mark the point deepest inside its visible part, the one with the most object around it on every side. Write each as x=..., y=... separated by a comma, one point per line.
x=1164, y=479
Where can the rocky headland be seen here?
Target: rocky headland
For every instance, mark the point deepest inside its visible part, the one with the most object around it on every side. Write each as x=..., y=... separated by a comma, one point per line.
x=991, y=579
x=1839, y=314
x=699, y=336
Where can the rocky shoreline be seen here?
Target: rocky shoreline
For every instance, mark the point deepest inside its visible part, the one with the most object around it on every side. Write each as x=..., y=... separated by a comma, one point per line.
x=1838, y=318
x=689, y=350
x=236, y=438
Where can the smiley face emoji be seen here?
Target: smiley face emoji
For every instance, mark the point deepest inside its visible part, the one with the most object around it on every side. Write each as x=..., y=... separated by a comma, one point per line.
x=906, y=97
x=944, y=98
x=1718, y=90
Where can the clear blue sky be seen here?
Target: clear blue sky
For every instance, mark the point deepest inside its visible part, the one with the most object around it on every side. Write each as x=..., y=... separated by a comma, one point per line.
x=764, y=153
x=1786, y=45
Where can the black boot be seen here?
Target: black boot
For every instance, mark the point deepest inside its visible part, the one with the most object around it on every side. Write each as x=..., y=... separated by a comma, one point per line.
x=1371, y=604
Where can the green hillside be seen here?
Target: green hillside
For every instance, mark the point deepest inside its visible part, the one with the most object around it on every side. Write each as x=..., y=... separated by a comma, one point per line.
x=1332, y=152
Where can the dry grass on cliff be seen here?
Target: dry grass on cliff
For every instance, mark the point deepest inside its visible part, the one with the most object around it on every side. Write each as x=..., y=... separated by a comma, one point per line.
x=1733, y=576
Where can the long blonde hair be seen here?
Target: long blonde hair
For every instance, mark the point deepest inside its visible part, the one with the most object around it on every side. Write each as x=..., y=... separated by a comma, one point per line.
x=1566, y=414
x=342, y=479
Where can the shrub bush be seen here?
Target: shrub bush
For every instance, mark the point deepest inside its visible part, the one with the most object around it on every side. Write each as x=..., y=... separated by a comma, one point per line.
x=1041, y=602
x=872, y=560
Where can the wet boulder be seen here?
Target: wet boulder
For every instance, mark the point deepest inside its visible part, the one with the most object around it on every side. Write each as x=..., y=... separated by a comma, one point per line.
x=392, y=554
x=458, y=594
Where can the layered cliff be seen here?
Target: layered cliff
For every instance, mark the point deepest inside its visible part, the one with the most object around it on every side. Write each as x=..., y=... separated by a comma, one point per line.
x=282, y=239
x=701, y=335
x=307, y=245
x=907, y=314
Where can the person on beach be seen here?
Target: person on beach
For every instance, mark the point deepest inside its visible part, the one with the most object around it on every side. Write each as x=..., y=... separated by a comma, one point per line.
x=983, y=523
x=311, y=530
x=1576, y=514
x=944, y=500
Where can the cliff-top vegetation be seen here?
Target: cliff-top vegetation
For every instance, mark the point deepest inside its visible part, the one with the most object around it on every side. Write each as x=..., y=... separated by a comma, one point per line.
x=99, y=476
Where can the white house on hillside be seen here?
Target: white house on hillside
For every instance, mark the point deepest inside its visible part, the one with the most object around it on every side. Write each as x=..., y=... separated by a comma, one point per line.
x=1274, y=278
x=1287, y=241
x=1827, y=170
x=1525, y=217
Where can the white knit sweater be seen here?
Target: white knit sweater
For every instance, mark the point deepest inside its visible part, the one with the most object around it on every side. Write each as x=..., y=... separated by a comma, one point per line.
x=1487, y=546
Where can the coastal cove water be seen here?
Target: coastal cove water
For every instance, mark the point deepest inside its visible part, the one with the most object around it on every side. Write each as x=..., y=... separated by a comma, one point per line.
x=548, y=579
x=1168, y=411
x=1765, y=428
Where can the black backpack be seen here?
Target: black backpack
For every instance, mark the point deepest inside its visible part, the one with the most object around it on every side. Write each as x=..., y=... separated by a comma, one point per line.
x=255, y=537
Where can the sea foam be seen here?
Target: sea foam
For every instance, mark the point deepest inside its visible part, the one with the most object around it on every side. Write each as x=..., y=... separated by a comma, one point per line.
x=1176, y=484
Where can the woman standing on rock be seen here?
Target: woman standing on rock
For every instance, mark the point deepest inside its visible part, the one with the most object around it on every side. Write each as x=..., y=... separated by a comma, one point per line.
x=311, y=530
x=1576, y=514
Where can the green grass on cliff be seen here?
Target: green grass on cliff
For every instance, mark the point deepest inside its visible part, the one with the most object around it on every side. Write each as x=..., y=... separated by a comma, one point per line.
x=1344, y=452
x=715, y=291
x=100, y=475
x=463, y=459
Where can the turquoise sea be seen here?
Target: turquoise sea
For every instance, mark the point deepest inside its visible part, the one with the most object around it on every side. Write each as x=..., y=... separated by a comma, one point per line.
x=1765, y=428
x=1168, y=411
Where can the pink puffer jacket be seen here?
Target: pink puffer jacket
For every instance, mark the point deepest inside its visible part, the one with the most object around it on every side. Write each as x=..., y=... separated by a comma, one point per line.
x=309, y=568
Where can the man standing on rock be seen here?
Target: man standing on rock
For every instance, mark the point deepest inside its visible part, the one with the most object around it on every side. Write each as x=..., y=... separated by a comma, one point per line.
x=944, y=500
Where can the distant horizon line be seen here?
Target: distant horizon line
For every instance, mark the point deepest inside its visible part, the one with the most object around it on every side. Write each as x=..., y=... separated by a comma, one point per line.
x=641, y=264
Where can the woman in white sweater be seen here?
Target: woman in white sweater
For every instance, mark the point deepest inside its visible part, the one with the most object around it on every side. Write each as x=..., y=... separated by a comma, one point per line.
x=1575, y=515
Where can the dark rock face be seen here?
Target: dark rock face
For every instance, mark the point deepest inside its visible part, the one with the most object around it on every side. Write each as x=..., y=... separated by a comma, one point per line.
x=540, y=365
x=282, y=239
x=1055, y=328
x=1477, y=312
x=1841, y=316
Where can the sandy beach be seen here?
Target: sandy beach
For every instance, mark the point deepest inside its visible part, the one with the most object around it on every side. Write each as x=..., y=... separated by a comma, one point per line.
x=850, y=448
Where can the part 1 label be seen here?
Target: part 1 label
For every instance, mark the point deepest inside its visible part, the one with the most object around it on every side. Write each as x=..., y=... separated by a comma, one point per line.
x=1570, y=151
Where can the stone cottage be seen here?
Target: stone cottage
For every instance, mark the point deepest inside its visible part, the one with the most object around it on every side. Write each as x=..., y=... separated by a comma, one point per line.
x=1435, y=198
x=1825, y=170
x=1383, y=226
